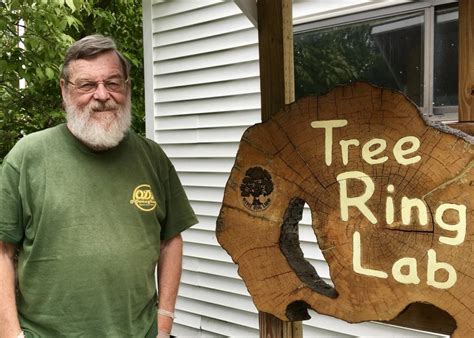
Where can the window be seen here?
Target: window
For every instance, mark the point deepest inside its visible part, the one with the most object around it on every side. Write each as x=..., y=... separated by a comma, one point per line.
x=412, y=49
x=445, y=74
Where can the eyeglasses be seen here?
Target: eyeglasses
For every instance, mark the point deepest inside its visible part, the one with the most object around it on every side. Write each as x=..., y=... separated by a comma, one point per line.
x=88, y=86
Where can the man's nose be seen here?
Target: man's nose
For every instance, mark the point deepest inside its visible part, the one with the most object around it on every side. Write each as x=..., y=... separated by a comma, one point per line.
x=101, y=93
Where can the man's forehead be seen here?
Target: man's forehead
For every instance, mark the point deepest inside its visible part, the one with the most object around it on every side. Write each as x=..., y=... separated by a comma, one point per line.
x=103, y=64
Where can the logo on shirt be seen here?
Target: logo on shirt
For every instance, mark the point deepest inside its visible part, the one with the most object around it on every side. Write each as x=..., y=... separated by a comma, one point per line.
x=143, y=198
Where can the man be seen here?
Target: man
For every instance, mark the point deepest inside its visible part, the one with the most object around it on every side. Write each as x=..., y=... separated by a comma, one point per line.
x=92, y=207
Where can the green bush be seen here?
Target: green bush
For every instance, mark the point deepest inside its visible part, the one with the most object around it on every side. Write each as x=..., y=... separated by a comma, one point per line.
x=34, y=36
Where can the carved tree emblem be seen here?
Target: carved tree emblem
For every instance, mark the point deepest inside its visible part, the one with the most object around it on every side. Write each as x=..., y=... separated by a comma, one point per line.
x=256, y=186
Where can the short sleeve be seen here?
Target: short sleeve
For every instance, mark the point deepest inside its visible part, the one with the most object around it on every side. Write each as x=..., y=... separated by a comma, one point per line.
x=179, y=214
x=11, y=230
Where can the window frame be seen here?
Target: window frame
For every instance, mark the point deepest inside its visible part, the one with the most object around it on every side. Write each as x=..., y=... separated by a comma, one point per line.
x=427, y=8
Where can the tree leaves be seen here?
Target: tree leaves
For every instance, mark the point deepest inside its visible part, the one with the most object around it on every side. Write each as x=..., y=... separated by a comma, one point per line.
x=34, y=35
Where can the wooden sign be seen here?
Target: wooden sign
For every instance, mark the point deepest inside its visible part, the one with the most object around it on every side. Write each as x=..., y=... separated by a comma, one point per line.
x=391, y=201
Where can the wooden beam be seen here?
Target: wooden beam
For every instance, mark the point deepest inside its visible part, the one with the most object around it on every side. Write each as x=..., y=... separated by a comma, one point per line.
x=272, y=327
x=466, y=61
x=275, y=34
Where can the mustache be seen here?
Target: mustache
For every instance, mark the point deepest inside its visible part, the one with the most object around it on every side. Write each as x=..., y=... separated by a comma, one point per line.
x=102, y=106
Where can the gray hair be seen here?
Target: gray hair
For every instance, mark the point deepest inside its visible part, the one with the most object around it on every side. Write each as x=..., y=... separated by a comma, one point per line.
x=89, y=47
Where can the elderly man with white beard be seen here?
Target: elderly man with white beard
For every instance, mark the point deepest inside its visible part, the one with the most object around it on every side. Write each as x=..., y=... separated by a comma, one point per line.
x=92, y=209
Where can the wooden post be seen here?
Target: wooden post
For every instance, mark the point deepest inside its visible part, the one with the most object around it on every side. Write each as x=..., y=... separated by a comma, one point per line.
x=466, y=61
x=275, y=34
x=466, y=67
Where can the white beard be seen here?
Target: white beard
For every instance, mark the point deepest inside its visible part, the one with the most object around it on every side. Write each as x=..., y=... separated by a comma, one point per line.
x=96, y=126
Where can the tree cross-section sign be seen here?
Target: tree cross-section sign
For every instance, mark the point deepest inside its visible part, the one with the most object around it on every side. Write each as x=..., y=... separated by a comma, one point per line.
x=391, y=199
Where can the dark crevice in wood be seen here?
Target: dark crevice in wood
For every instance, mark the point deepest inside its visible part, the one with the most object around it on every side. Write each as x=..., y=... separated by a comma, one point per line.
x=426, y=317
x=298, y=311
x=290, y=247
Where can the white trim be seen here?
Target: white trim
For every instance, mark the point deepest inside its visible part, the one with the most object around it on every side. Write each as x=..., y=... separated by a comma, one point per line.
x=148, y=68
x=398, y=24
x=447, y=17
x=341, y=20
x=249, y=8
x=427, y=108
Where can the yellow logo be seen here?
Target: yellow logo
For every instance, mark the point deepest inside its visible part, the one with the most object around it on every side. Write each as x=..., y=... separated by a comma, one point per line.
x=143, y=198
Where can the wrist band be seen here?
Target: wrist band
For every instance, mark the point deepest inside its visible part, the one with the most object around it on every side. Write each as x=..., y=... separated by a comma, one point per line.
x=163, y=334
x=166, y=313
x=21, y=335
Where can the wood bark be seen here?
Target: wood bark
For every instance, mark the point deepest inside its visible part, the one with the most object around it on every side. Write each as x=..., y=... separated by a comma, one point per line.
x=283, y=163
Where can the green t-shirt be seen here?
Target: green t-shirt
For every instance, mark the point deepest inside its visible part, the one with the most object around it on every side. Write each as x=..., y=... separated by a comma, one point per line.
x=89, y=226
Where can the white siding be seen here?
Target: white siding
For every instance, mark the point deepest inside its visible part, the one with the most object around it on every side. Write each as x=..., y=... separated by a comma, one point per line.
x=202, y=82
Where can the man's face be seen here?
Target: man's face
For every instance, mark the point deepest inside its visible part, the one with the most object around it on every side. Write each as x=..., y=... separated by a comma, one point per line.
x=97, y=101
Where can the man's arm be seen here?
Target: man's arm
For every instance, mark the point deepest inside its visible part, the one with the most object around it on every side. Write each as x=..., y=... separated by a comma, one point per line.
x=169, y=275
x=9, y=324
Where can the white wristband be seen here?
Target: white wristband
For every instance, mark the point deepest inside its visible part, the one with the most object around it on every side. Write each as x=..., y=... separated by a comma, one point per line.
x=21, y=335
x=163, y=334
x=166, y=313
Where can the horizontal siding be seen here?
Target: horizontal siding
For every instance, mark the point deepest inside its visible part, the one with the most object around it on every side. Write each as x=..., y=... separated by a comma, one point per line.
x=210, y=105
x=165, y=20
x=211, y=194
x=207, y=45
x=203, y=265
x=209, y=149
x=211, y=165
x=204, y=178
x=208, y=120
x=205, y=251
x=191, y=34
x=241, y=70
x=218, y=58
x=224, y=313
x=209, y=90
x=201, y=135
x=165, y=8
x=241, y=303
x=213, y=281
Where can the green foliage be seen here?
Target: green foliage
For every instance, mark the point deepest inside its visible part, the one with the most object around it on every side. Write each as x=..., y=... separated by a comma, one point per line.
x=49, y=28
x=325, y=59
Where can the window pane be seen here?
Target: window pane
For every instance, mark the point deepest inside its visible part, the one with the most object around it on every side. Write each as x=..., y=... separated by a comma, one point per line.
x=386, y=52
x=445, y=78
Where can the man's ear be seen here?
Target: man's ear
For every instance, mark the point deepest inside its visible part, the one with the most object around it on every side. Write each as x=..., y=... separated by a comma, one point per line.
x=62, y=84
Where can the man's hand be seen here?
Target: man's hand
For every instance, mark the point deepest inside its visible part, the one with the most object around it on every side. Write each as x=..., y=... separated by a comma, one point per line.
x=9, y=324
x=169, y=275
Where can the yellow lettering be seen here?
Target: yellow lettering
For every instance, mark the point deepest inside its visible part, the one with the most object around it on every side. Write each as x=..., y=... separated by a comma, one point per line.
x=400, y=153
x=368, y=155
x=359, y=201
x=389, y=208
x=328, y=135
x=434, y=266
x=459, y=228
x=411, y=277
x=345, y=148
x=408, y=204
x=356, y=259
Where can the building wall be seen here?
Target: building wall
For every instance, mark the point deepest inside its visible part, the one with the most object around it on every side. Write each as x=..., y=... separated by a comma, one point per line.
x=202, y=92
